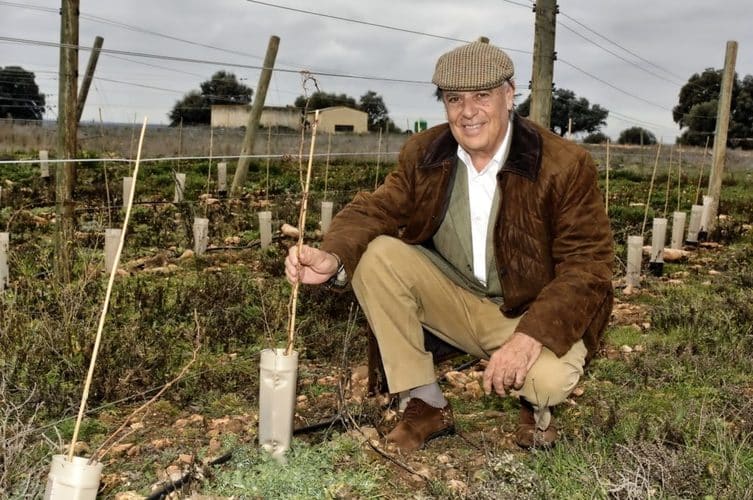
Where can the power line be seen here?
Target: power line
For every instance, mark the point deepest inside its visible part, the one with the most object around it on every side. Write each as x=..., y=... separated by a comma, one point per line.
x=618, y=45
x=204, y=61
x=329, y=16
x=526, y=5
x=630, y=119
x=138, y=85
x=156, y=66
x=130, y=27
x=652, y=73
x=374, y=25
x=611, y=85
x=138, y=29
x=181, y=59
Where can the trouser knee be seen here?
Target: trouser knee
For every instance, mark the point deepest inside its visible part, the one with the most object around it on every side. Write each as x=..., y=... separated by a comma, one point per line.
x=372, y=264
x=552, y=383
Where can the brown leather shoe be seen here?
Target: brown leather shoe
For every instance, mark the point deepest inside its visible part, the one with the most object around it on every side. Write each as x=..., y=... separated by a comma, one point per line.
x=420, y=423
x=528, y=435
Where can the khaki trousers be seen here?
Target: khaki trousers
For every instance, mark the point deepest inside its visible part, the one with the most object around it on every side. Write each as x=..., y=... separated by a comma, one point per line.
x=401, y=292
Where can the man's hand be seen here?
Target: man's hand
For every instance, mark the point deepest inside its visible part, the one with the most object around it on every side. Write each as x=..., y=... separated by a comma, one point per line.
x=509, y=365
x=311, y=267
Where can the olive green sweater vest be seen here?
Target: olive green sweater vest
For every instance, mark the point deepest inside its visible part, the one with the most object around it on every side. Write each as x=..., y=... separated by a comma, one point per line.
x=453, y=245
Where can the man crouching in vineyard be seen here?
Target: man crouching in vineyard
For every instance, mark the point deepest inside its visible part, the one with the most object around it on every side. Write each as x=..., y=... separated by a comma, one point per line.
x=491, y=234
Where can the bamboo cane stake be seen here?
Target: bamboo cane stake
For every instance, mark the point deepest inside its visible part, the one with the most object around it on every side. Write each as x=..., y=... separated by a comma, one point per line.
x=606, y=186
x=651, y=188
x=301, y=229
x=113, y=272
x=700, y=174
x=669, y=177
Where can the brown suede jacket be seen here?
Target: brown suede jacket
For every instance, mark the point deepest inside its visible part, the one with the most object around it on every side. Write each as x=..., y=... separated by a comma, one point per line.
x=554, y=247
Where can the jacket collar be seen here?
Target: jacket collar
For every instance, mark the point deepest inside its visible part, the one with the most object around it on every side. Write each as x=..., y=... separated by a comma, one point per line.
x=524, y=158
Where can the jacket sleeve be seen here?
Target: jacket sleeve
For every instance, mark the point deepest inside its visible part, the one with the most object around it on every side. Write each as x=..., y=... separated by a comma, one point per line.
x=382, y=212
x=582, y=257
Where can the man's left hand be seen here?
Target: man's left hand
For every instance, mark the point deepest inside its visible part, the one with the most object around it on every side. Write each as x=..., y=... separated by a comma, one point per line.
x=509, y=365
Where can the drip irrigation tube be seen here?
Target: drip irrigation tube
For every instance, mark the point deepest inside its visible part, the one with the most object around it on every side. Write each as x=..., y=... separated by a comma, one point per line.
x=174, y=485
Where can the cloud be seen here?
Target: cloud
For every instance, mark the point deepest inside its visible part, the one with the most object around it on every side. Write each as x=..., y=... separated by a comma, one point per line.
x=678, y=38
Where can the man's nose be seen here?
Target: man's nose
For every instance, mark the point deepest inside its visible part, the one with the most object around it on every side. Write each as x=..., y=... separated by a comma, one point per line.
x=469, y=107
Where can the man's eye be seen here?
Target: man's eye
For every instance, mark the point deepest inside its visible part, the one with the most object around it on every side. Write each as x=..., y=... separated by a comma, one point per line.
x=453, y=99
x=483, y=95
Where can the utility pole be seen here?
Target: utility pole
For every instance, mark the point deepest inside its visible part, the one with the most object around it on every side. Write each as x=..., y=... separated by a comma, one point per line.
x=241, y=171
x=719, y=156
x=67, y=137
x=86, y=83
x=544, y=55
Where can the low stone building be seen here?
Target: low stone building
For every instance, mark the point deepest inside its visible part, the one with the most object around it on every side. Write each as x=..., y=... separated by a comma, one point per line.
x=340, y=119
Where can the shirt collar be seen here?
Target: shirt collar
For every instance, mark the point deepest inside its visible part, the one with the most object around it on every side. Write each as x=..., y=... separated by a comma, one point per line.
x=499, y=158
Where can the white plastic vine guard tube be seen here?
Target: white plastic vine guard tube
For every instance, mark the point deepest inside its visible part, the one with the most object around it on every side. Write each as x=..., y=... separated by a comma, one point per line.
x=200, y=235
x=678, y=229
x=112, y=239
x=277, y=387
x=658, y=239
x=695, y=223
x=127, y=186
x=326, y=215
x=265, y=228
x=75, y=480
x=634, y=259
x=706, y=214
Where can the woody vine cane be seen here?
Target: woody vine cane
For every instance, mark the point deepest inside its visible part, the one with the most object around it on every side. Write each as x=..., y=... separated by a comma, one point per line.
x=301, y=229
x=279, y=367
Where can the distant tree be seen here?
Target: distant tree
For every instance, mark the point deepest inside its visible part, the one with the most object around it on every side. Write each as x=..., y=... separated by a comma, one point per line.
x=379, y=118
x=565, y=106
x=697, y=105
x=596, y=138
x=224, y=88
x=636, y=135
x=700, y=88
x=196, y=107
x=321, y=100
x=741, y=128
x=193, y=109
x=19, y=94
x=700, y=121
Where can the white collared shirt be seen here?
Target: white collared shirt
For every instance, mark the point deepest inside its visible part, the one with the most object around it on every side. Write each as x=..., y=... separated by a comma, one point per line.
x=481, y=188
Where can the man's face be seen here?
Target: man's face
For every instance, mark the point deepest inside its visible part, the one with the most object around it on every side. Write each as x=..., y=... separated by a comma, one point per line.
x=479, y=119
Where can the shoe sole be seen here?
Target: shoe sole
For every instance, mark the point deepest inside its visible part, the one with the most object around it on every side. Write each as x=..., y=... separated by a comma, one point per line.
x=444, y=432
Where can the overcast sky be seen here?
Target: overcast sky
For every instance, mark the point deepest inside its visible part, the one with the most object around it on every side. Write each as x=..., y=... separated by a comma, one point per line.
x=666, y=42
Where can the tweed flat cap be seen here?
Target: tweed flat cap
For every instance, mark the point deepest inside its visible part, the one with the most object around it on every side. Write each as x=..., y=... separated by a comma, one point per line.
x=474, y=66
